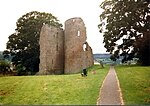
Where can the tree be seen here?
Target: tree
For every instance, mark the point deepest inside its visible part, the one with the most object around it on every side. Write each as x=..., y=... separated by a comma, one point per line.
x=125, y=23
x=23, y=45
x=112, y=57
x=143, y=46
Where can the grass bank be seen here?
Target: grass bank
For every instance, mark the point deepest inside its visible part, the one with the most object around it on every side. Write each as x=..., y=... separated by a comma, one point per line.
x=135, y=84
x=52, y=89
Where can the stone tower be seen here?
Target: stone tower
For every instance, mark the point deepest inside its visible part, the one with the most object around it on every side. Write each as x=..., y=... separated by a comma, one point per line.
x=51, y=50
x=76, y=56
x=64, y=51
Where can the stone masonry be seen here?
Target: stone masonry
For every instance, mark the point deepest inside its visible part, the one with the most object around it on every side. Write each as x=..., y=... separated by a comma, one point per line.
x=64, y=51
x=76, y=58
x=51, y=50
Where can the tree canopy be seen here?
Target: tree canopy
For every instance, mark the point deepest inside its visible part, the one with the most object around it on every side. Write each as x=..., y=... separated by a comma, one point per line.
x=125, y=25
x=23, y=44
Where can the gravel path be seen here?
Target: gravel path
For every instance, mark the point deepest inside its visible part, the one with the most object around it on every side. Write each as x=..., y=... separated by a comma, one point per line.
x=110, y=93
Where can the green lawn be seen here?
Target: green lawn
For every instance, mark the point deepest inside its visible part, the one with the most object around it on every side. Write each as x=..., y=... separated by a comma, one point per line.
x=52, y=89
x=135, y=84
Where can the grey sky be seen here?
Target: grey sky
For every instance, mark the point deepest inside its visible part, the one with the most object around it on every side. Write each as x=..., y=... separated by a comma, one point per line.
x=88, y=10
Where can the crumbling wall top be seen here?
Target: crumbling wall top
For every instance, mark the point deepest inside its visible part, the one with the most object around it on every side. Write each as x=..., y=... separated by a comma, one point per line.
x=75, y=20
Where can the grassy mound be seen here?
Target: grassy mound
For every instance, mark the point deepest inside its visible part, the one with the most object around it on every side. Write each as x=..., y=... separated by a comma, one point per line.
x=52, y=89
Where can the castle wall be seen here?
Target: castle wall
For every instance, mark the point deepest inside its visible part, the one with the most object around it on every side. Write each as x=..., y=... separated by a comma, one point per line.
x=64, y=51
x=51, y=50
x=76, y=58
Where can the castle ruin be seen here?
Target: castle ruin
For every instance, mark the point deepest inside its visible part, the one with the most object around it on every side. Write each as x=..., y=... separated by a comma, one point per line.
x=64, y=51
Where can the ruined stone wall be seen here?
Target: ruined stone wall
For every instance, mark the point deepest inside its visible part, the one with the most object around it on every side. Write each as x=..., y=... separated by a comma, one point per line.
x=76, y=58
x=51, y=50
x=63, y=51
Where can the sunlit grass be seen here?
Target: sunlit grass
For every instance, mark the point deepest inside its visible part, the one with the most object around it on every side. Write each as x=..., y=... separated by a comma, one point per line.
x=135, y=84
x=52, y=89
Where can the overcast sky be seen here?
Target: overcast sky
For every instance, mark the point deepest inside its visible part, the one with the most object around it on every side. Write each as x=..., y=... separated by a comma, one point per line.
x=88, y=10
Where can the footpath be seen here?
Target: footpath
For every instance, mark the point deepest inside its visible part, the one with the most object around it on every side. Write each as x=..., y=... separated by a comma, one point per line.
x=110, y=92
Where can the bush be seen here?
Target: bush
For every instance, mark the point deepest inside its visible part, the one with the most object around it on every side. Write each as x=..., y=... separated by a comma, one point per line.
x=4, y=67
x=21, y=70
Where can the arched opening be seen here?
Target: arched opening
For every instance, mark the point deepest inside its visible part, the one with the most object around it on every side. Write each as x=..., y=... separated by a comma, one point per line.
x=85, y=47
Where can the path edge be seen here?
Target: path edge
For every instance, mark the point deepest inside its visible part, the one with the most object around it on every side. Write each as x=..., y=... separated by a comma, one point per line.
x=120, y=91
x=118, y=83
x=98, y=99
